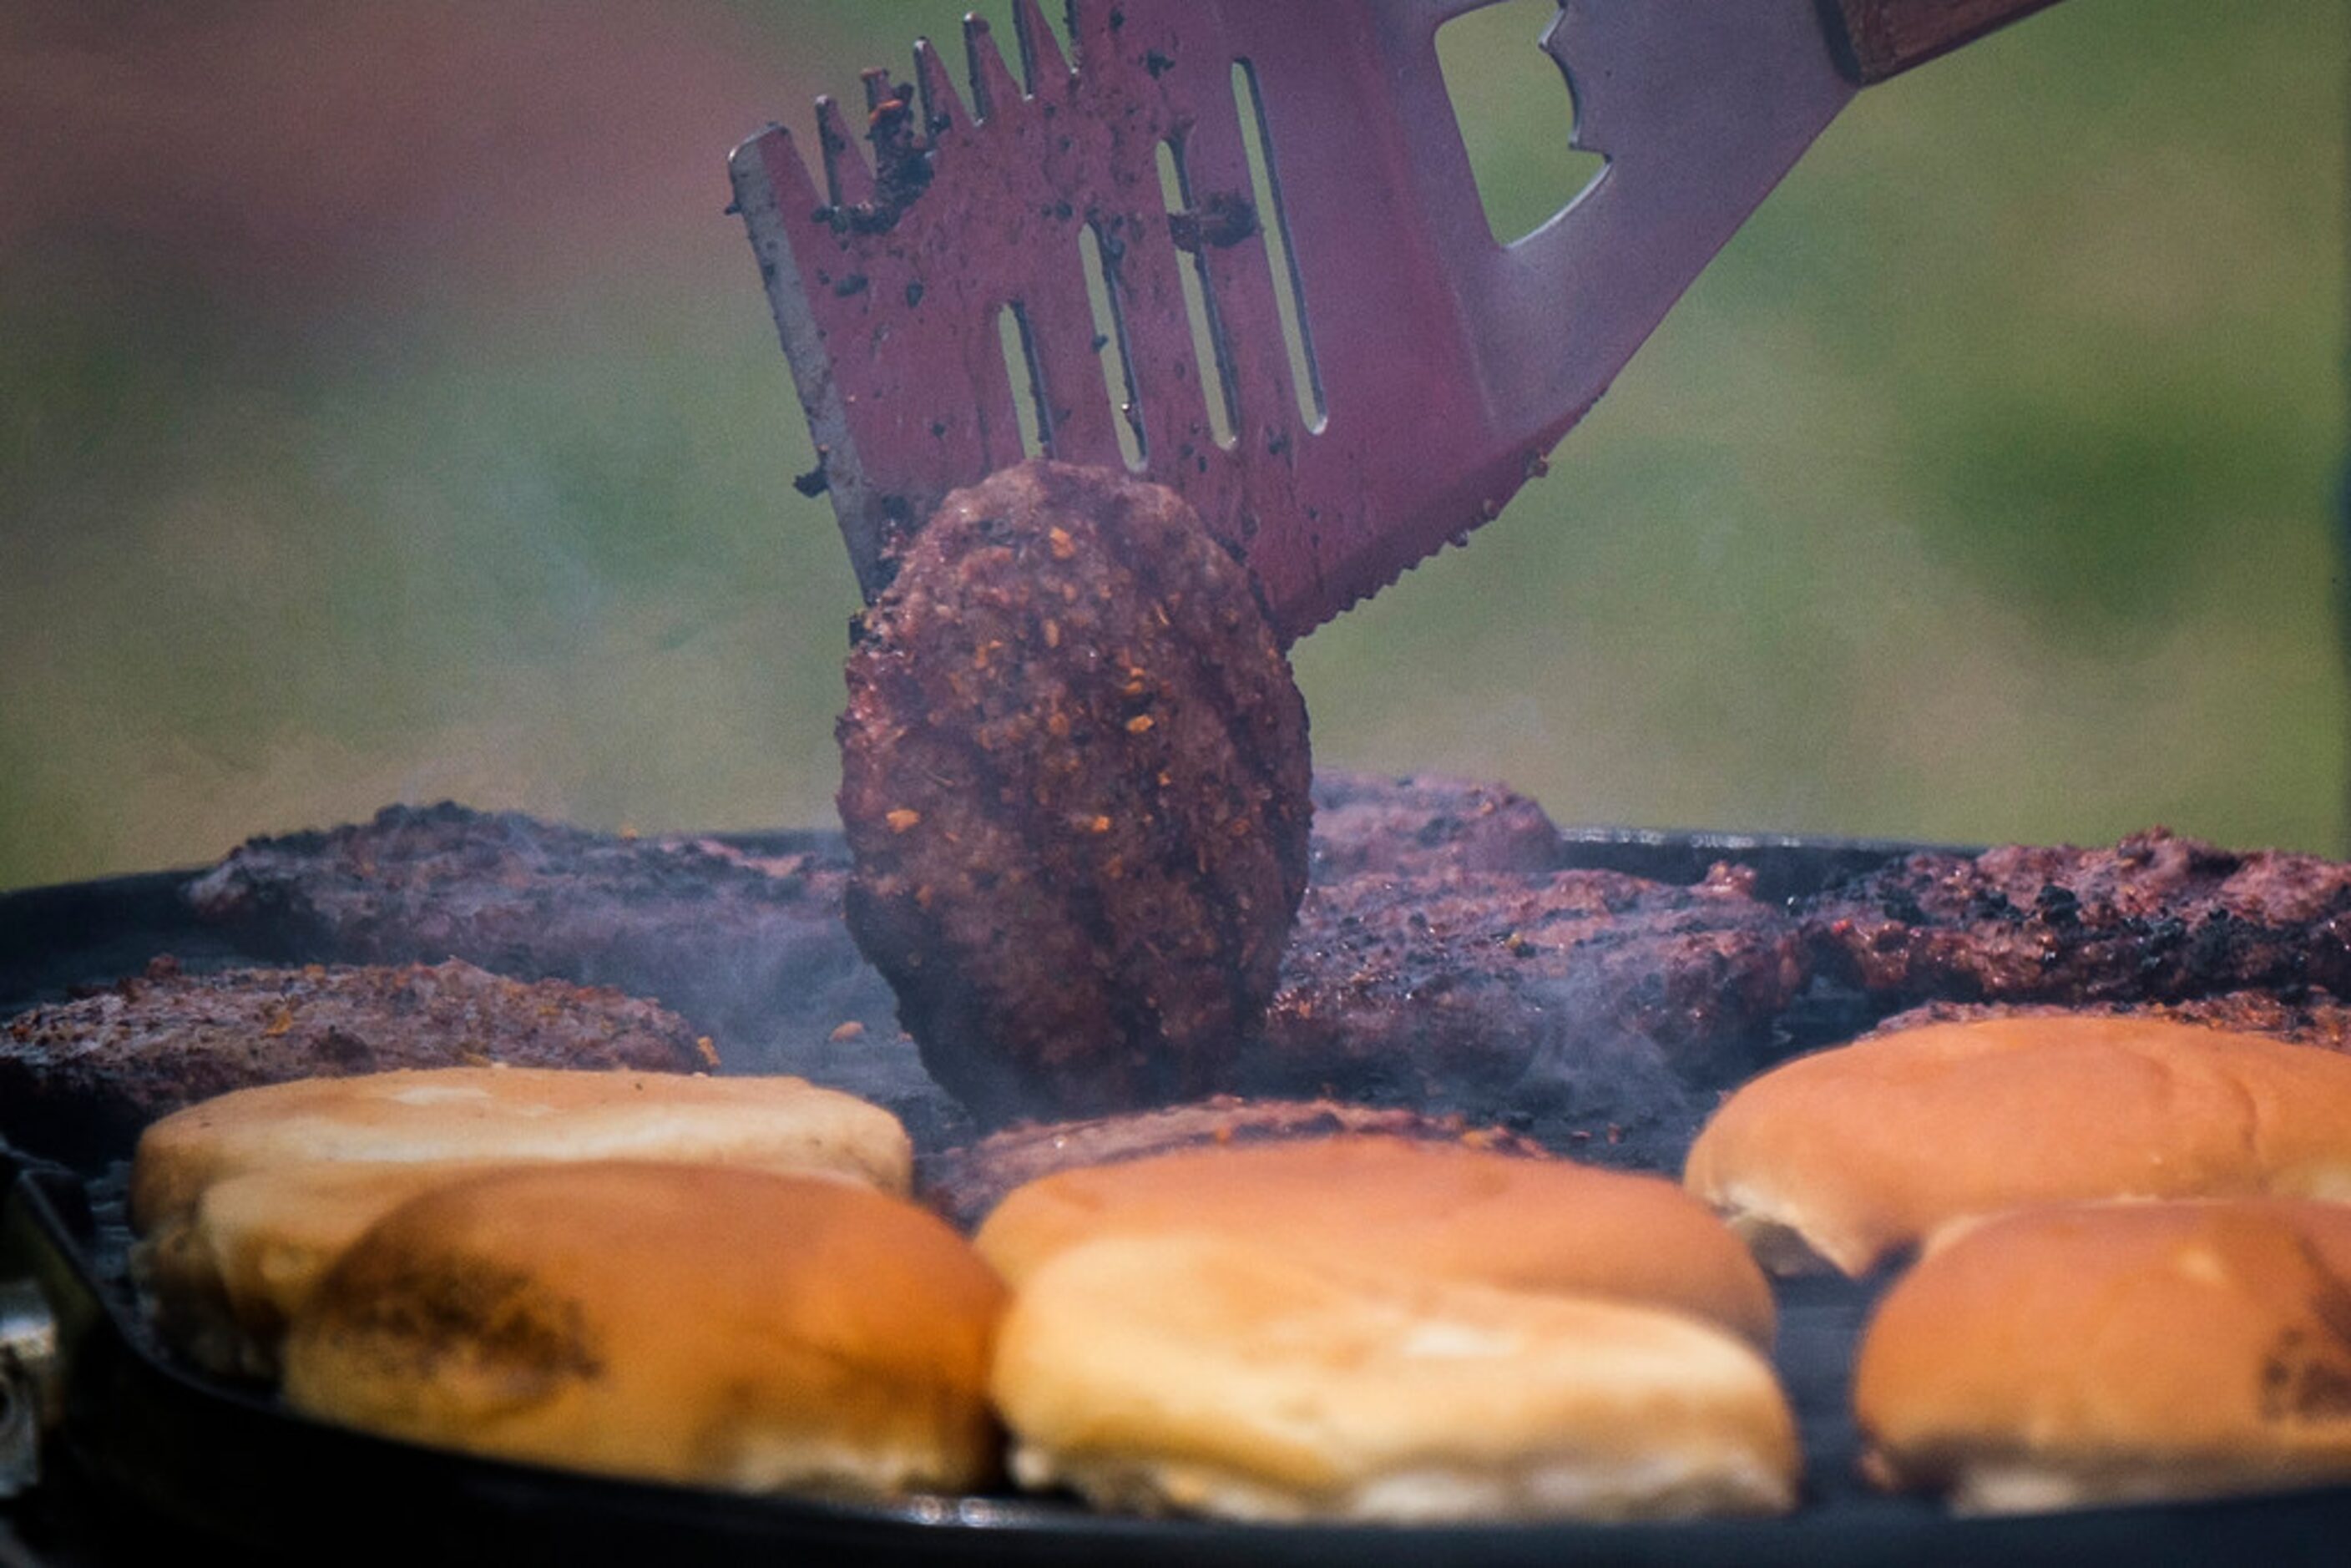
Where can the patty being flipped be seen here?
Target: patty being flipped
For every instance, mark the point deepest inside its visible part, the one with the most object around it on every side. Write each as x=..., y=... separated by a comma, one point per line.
x=1074, y=779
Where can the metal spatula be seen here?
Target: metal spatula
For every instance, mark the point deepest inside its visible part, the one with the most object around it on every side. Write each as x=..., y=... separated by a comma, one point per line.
x=1427, y=370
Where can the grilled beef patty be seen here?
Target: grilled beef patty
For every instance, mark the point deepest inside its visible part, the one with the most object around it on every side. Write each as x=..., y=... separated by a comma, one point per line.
x=2156, y=917
x=1598, y=1006
x=742, y=936
x=1074, y=780
x=1415, y=826
x=744, y=939
x=1440, y=961
x=79, y=1079
x=964, y=1184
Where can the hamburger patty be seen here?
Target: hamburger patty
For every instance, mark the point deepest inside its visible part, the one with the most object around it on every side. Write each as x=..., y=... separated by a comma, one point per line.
x=1373, y=1002
x=79, y=1079
x=743, y=939
x=2156, y=917
x=1422, y=971
x=1414, y=826
x=1074, y=780
x=1592, y=1007
x=742, y=936
x=966, y=1184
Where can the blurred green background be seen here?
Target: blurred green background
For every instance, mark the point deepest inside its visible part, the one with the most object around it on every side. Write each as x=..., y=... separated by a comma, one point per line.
x=389, y=412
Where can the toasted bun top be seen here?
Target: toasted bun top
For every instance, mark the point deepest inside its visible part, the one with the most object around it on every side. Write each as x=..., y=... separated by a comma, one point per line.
x=1211, y=1374
x=692, y=1323
x=1418, y=1210
x=2090, y=1353
x=509, y=1114
x=1853, y=1155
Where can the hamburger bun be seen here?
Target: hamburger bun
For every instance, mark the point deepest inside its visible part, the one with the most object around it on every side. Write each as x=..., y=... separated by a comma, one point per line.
x=1207, y=1375
x=691, y=1324
x=1424, y=1211
x=513, y=1114
x=2119, y=1353
x=1850, y=1156
x=245, y=1200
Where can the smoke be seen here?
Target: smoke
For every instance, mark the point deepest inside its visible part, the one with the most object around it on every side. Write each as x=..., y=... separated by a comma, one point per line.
x=387, y=410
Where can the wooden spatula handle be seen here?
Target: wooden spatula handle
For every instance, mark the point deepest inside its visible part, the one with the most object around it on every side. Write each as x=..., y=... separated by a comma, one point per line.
x=1889, y=36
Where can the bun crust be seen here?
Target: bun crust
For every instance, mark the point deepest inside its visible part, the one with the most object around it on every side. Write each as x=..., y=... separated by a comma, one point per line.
x=693, y=1324
x=512, y=1114
x=1420, y=1210
x=246, y=1200
x=1850, y=1156
x=1205, y=1374
x=2108, y=1354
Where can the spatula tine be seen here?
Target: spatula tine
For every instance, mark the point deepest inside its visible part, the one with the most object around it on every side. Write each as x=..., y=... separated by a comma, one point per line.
x=992, y=89
x=787, y=172
x=943, y=109
x=1041, y=62
x=848, y=180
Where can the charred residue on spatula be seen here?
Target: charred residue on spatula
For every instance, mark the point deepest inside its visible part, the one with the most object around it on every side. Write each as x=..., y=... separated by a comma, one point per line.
x=873, y=202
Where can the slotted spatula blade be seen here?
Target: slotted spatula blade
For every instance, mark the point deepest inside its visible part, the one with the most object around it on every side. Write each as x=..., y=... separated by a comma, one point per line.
x=1434, y=367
